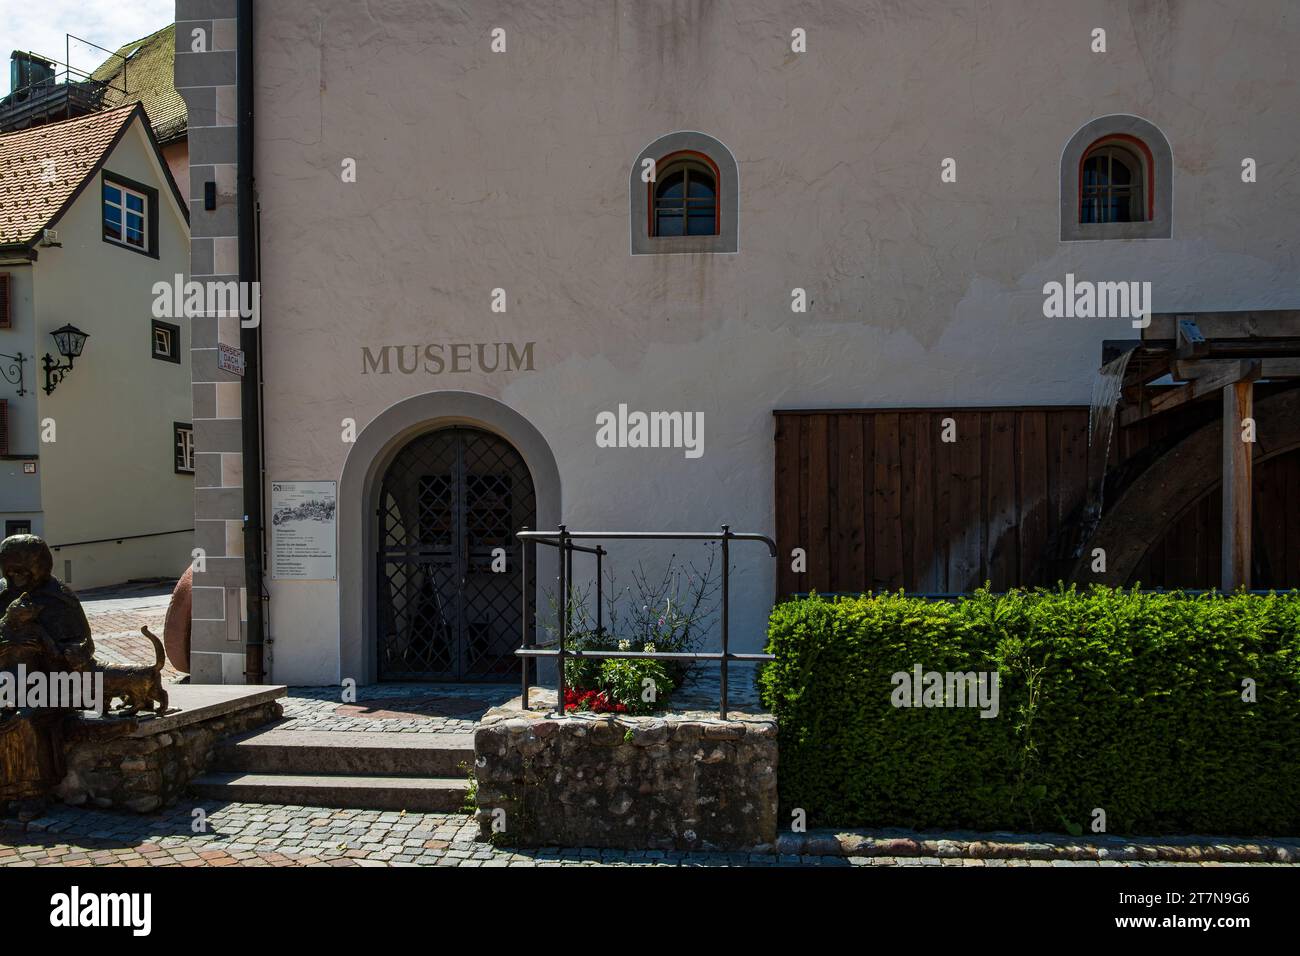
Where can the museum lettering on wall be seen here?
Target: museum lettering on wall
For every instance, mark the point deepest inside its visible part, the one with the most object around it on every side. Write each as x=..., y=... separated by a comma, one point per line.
x=438, y=359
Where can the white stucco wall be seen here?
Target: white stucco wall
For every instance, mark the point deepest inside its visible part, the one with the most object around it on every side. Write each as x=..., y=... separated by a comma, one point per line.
x=478, y=170
x=110, y=470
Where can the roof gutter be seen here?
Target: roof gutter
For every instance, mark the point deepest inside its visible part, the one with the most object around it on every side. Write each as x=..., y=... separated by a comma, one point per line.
x=249, y=341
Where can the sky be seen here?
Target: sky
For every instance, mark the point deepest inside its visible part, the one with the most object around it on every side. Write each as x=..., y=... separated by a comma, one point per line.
x=38, y=26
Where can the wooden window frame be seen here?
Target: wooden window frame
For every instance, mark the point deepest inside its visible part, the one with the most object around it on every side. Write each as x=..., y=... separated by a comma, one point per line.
x=665, y=163
x=1147, y=174
x=6, y=300
x=179, y=449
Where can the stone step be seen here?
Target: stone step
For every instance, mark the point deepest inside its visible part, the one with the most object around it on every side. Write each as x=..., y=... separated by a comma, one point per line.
x=367, y=753
x=343, y=792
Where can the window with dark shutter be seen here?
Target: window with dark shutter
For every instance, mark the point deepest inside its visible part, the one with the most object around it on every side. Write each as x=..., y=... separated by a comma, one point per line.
x=5, y=321
x=4, y=427
x=165, y=341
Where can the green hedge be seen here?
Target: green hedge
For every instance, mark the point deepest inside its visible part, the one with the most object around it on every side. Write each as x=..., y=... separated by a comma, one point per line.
x=1107, y=698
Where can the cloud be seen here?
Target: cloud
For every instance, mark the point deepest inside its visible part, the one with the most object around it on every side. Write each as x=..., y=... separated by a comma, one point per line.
x=39, y=26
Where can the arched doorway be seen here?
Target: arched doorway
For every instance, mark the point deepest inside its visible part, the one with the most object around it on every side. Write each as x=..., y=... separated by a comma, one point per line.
x=447, y=581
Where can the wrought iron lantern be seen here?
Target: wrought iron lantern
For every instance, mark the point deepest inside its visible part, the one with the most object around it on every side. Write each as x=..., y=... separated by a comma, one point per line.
x=70, y=341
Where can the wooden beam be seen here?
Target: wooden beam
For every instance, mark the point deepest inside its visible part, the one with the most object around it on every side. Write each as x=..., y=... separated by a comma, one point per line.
x=1147, y=407
x=1267, y=323
x=1280, y=368
x=1238, y=406
x=1273, y=347
x=1205, y=377
x=1214, y=373
x=1254, y=348
x=1190, y=370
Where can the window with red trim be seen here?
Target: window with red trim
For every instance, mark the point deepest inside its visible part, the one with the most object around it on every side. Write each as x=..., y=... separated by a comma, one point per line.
x=684, y=197
x=1117, y=181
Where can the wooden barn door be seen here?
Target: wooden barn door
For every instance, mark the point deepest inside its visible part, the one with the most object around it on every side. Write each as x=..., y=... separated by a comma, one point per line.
x=930, y=500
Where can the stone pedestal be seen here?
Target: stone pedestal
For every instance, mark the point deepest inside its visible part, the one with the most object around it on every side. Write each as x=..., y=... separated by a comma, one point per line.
x=144, y=763
x=685, y=781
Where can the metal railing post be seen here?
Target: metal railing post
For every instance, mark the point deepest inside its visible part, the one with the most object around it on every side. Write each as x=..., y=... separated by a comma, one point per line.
x=569, y=574
x=564, y=620
x=523, y=616
x=600, y=595
x=726, y=590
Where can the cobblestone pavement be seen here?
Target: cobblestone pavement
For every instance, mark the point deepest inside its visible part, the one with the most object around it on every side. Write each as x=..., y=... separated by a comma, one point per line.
x=150, y=596
x=116, y=616
x=242, y=834
x=394, y=708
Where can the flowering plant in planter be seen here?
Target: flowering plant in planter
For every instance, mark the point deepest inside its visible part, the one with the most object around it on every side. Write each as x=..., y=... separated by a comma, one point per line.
x=669, y=615
x=617, y=685
x=596, y=701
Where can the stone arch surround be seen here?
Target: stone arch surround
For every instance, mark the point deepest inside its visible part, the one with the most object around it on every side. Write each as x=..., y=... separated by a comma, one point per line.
x=370, y=456
x=728, y=197
x=1162, y=157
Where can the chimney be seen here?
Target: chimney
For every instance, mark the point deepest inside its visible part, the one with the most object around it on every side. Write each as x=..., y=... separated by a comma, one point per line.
x=27, y=70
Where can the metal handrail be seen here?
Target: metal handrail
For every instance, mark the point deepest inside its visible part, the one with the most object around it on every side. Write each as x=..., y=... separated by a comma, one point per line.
x=120, y=538
x=68, y=78
x=563, y=539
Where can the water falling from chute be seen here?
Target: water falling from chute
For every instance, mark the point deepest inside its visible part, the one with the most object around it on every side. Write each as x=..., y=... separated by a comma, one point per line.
x=1106, y=392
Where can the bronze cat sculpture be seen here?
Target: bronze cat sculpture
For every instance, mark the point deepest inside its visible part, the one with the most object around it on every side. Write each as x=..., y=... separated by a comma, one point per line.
x=138, y=686
x=20, y=632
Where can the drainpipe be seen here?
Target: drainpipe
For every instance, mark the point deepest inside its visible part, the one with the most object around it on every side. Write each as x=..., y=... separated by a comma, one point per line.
x=250, y=387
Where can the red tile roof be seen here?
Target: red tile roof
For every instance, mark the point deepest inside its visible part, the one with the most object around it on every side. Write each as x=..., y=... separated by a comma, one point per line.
x=43, y=168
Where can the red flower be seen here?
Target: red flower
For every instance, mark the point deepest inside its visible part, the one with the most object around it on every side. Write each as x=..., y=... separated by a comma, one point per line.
x=595, y=701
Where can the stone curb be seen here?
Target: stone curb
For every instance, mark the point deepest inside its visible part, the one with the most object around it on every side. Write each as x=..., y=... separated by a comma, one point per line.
x=993, y=846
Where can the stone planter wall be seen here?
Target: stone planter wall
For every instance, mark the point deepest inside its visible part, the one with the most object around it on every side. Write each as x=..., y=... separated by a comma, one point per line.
x=683, y=781
x=144, y=763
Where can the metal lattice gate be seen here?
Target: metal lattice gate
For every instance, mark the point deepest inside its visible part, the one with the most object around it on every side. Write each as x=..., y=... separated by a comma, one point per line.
x=448, y=500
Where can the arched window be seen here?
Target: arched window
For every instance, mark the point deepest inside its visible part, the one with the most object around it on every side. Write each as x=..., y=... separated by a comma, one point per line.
x=1117, y=181
x=685, y=197
x=1112, y=186
x=1113, y=182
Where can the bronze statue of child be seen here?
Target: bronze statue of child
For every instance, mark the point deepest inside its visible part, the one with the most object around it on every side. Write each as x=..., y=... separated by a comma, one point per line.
x=26, y=564
x=43, y=627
